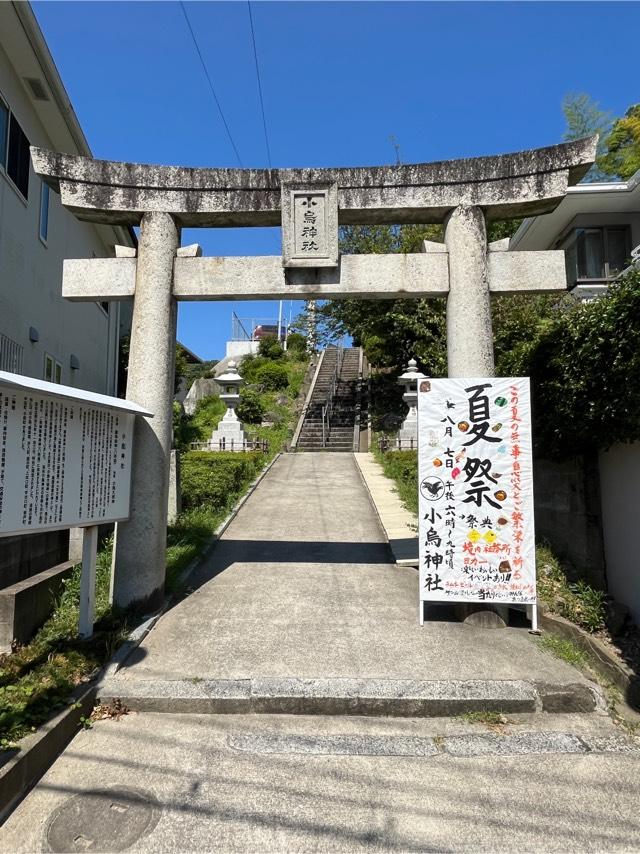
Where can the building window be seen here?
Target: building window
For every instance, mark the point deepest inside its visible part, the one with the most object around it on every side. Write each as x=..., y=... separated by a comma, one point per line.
x=44, y=212
x=596, y=254
x=52, y=369
x=10, y=355
x=14, y=150
x=4, y=132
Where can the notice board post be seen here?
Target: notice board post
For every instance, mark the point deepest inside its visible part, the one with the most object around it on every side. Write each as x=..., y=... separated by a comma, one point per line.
x=476, y=533
x=65, y=461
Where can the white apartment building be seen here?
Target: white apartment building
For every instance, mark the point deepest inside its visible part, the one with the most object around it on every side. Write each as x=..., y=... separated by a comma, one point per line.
x=42, y=335
x=597, y=225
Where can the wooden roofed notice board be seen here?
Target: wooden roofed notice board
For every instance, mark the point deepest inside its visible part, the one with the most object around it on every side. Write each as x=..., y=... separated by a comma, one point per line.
x=65, y=456
x=476, y=533
x=65, y=461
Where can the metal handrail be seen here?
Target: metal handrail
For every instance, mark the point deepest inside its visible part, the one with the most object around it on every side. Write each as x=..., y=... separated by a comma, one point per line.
x=358, y=398
x=307, y=402
x=327, y=407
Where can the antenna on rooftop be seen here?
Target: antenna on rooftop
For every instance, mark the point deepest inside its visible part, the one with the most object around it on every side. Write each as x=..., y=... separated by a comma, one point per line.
x=396, y=145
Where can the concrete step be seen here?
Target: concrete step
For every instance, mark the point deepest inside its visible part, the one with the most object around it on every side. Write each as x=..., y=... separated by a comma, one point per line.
x=381, y=697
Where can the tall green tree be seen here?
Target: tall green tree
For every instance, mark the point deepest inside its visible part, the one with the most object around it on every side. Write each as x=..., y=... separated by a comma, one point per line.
x=622, y=157
x=584, y=117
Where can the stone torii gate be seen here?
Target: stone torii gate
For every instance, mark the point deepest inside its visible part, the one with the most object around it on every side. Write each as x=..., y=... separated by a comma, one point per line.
x=309, y=204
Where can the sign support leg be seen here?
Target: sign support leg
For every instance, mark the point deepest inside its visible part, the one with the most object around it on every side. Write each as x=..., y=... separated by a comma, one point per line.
x=532, y=614
x=88, y=581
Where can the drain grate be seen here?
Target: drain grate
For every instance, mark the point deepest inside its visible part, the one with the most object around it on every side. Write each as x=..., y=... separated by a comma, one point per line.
x=110, y=819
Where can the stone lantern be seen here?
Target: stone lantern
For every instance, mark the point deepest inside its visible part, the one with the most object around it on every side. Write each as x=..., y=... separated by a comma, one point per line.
x=408, y=435
x=229, y=435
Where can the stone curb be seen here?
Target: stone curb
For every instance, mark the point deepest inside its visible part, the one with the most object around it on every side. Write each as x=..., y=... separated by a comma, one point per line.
x=600, y=658
x=459, y=746
x=369, y=697
x=38, y=751
x=403, y=549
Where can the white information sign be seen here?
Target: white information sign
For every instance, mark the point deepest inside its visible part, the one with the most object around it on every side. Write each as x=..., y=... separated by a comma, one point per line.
x=476, y=491
x=65, y=456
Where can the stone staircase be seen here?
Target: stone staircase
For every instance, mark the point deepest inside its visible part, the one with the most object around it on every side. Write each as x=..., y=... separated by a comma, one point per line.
x=342, y=419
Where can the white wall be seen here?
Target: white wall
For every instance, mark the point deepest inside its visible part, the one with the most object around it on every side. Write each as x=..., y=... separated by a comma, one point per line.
x=620, y=495
x=31, y=272
x=241, y=348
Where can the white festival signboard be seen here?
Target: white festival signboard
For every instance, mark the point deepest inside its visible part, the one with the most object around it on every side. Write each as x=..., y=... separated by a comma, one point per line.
x=65, y=456
x=476, y=491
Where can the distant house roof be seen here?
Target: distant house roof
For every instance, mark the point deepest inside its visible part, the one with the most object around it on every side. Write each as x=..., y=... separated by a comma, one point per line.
x=191, y=357
x=542, y=232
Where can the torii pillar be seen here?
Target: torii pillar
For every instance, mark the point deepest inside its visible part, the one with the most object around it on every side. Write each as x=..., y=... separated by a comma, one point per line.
x=463, y=194
x=139, y=555
x=468, y=303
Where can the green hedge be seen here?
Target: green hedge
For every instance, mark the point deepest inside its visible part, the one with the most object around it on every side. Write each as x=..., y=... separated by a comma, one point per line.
x=585, y=373
x=215, y=479
x=272, y=376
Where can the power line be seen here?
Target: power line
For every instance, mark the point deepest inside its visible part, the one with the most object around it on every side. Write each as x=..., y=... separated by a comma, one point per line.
x=211, y=86
x=255, y=56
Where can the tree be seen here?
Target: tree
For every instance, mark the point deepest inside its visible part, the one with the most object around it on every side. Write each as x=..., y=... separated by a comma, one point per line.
x=585, y=118
x=181, y=367
x=622, y=157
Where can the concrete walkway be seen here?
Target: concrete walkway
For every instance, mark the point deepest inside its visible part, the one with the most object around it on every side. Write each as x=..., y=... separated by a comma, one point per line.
x=303, y=584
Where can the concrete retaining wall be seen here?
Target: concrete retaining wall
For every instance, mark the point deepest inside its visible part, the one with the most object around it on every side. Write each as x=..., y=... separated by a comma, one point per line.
x=620, y=489
x=567, y=510
x=25, y=555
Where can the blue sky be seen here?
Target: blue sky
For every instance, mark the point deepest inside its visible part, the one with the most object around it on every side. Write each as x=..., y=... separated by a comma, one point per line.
x=445, y=79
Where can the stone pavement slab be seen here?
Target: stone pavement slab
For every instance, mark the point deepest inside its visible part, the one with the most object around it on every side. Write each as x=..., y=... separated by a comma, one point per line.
x=302, y=584
x=399, y=524
x=169, y=783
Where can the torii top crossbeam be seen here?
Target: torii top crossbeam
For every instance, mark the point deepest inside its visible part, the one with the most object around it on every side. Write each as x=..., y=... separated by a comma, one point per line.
x=525, y=183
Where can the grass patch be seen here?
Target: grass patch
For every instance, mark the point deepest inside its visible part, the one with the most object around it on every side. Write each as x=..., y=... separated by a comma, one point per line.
x=402, y=468
x=494, y=721
x=575, y=601
x=565, y=649
x=37, y=679
x=483, y=717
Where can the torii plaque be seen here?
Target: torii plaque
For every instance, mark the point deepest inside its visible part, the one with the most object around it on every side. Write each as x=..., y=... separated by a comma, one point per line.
x=463, y=194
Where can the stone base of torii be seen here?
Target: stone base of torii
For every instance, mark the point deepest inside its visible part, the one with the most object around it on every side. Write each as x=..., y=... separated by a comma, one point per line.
x=309, y=204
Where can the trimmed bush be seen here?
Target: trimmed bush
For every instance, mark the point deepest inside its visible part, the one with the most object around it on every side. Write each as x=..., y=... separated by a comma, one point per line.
x=215, y=479
x=272, y=376
x=270, y=348
x=250, y=409
x=249, y=367
x=296, y=343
